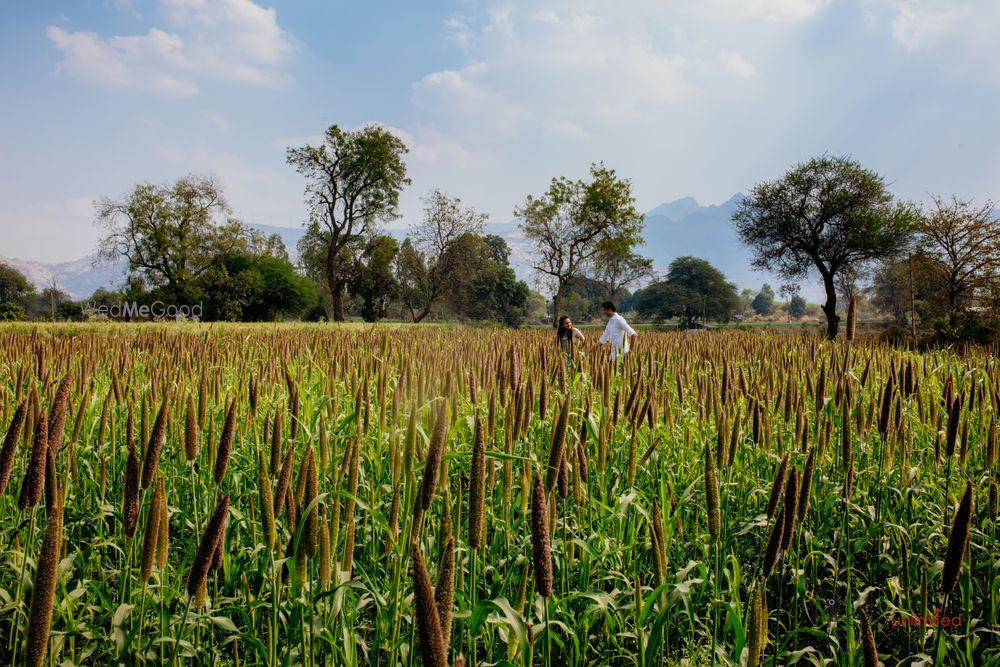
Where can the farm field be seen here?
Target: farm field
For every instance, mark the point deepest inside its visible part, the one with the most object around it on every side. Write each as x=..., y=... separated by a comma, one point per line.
x=401, y=495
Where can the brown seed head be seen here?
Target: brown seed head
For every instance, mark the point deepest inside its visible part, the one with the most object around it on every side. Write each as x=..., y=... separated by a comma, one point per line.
x=712, y=504
x=557, y=445
x=130, y=494
x=433, y=652
x=151, y=459
x=777, y=486
x=432, y=463
x=284, y=482
x=444, y=591
x=773, y=545
x=477, y=487
x=225, y=443
x=206, y=548
x=869, y=651
x=44, y=590
x=152, y=533
x=852, y=318
x=958, y=542
x=954, y=419
x=33, y=483
x=541, y=556
x=9, y=448
x=191, y=429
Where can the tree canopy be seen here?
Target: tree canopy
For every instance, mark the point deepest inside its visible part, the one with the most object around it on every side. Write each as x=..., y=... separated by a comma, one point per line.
x=693, y=290
x=962, y=242
x=436, y=261
x=826, y=214
x=170, y=234
x=353, y=182
x=374, y=280
x=14, y=287
x=573, y=222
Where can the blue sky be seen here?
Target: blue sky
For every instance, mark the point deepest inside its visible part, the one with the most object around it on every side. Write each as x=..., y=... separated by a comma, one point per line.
x=687, y=97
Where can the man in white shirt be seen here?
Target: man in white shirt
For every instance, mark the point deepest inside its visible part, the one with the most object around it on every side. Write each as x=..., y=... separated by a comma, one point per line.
x=616, y=331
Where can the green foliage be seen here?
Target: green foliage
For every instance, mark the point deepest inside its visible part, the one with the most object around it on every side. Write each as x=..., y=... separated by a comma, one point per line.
x=170, y=234
x=70, y=311
x=14, y=287
x=824, y=214
x=446, y=255
x=617, y=266
x=490, y=291
x=254, y=288
x=763, y=303
x=373, y=280
x=576, y=222
x=693, y=290
x=583, y=295
x=105, y=297
x=11, y=312
x=961, y=245
x=797, y=306
x=472, y=277
x=966, y=327
x=353, y=181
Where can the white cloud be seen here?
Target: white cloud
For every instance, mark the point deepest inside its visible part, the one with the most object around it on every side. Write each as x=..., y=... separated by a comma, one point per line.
x=960, y=35
x=221, y=40
x=460, y=32
x=770, y=11
x=216, y=119
x=736, y=64
x=921, y=24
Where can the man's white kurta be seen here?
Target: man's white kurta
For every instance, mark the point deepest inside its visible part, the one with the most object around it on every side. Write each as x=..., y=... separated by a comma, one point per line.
x=617, y=332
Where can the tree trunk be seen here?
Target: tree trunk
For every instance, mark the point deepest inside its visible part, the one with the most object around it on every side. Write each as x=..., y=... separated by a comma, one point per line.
x=334, y=282
x=337, y=300
x=830, y=307
x=424, y=313
x=557, y=305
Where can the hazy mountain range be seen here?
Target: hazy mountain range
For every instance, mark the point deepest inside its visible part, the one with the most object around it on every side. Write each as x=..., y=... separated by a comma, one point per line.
x=673, y=229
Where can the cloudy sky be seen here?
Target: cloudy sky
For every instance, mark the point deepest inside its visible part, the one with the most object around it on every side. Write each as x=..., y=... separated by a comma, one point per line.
x=685, y=97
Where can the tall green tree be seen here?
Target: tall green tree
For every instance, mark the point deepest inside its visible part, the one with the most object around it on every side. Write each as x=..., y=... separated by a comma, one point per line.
x=826, y=214
x=693, y=290
x=14, y=287
x=574, y=221
x=488, y=291
x=763, y=303
x=374, y=280
x=169, y=234
x=353, y=182
x=434, y=264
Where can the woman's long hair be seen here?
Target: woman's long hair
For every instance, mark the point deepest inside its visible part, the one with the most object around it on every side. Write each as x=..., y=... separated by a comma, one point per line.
x=564, y=332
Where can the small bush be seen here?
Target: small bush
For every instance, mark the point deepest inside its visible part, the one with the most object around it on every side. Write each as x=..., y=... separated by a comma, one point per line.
x=970, y=328
x=11, y=312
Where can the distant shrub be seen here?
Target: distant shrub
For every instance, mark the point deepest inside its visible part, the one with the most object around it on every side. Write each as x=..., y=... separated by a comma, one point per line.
x=894, y=335
x=11, y=312
x=969, y=328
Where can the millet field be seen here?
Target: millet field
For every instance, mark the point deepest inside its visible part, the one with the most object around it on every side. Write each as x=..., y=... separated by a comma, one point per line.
x=401, y=495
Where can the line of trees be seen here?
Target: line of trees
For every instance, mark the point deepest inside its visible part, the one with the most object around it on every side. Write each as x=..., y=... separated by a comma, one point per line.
x=829, y=217
x=182, y=245
x=832, y=216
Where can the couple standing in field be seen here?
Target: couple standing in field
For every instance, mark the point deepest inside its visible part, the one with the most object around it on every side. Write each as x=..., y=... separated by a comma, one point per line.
x=617, y=332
